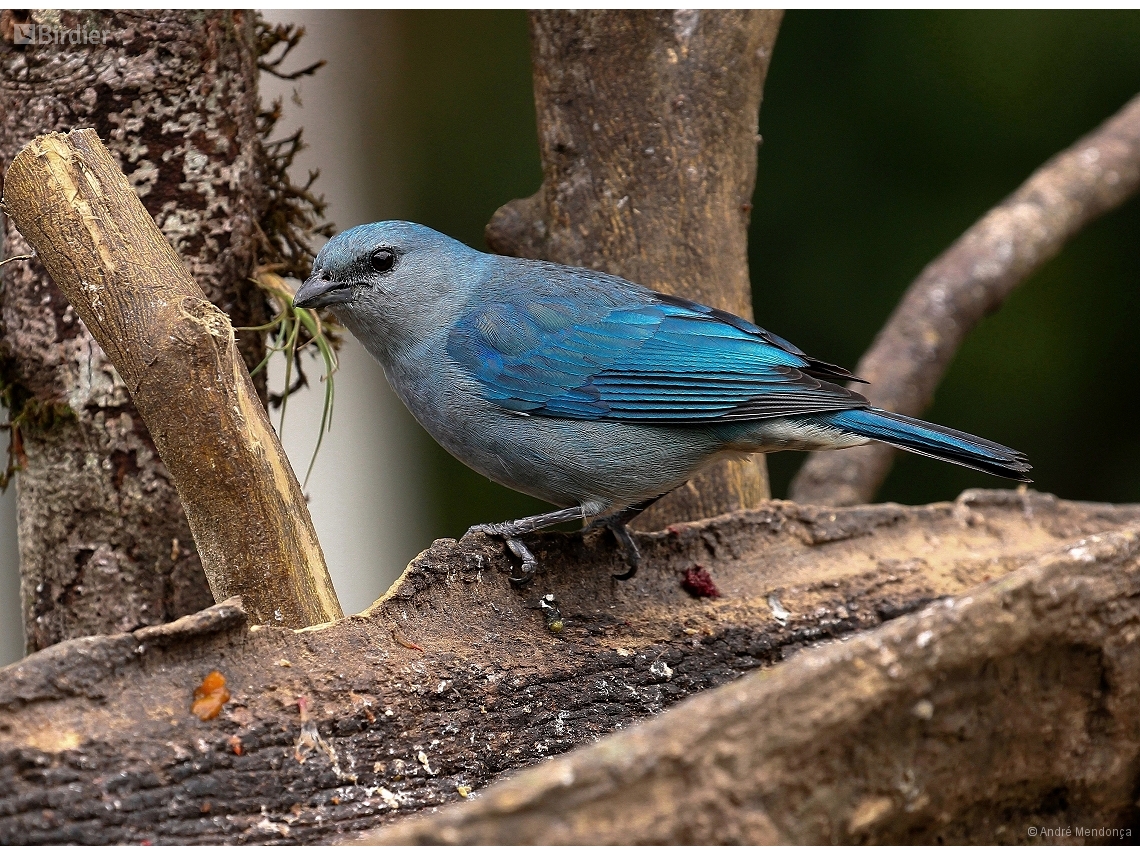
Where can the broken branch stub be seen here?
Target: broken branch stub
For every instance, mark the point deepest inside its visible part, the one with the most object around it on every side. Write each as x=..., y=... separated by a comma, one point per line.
x=970, y=280
x=647, y=129
x=177, y=355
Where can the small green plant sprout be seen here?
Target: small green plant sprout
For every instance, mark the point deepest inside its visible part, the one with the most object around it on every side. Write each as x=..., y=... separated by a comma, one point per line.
x=294, y=332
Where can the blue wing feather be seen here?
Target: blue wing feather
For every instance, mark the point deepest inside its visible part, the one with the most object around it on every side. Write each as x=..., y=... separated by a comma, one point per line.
x=662, y=359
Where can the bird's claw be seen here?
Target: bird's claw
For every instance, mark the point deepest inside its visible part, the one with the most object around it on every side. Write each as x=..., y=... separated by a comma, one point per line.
x=629, y=547
x=616, y=524
x=529, y=564
x=519, y=549
x=509, y=532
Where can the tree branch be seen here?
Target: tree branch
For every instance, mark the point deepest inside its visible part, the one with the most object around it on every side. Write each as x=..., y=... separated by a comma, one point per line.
x=968, y=722
x=647, y=129
x=970, y=280
x=177, y=354
x=453, y=678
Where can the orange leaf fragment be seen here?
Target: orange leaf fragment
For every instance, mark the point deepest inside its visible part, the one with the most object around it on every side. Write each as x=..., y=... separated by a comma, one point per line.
x=210, y=696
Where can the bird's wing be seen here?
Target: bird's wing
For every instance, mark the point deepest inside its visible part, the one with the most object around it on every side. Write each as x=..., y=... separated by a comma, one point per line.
x=663, y=360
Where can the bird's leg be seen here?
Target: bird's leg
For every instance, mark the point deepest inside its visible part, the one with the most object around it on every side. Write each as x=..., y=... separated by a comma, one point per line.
x=509, y=531
x=618, y=524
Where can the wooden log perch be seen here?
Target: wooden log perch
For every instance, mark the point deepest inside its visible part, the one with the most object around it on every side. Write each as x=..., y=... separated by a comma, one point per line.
x=177, y=355
x=647, y=131
x=1009, y=703
x=968, y=722
x=970, y=280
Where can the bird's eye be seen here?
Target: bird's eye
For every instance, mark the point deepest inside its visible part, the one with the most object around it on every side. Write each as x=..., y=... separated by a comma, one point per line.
x=383, y=260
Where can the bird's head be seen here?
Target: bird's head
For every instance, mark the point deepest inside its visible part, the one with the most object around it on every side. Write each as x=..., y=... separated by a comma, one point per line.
x=391, y=282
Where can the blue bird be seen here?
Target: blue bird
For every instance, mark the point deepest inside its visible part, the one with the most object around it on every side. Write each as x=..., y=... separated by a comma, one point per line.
x=588, y=391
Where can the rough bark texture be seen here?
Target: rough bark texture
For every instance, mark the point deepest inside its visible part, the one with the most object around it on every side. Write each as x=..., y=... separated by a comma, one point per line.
x=970, y=280
x=647, y=130
x=970, y=722
x=177, y=356
x=104, y=545
x=1016, y=702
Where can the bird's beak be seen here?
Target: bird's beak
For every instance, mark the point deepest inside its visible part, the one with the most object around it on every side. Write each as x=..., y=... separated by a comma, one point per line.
x=318, y=292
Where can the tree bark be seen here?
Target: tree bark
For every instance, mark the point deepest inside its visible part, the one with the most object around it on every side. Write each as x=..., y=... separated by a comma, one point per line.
x=647, y=129
x=104, y=546
x=453, y=678
x=975, y=721
x=176, y=354
x=970, y=280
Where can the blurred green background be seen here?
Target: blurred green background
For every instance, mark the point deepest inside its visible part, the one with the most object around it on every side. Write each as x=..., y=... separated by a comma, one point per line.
x=886, y=134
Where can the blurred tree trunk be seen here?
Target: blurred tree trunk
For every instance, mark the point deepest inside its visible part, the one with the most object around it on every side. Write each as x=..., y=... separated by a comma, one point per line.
x=647, y=127
x=104, y=544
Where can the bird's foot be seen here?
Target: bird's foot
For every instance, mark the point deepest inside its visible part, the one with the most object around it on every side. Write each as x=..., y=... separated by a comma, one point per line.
x=617, y=524
x=625, y=540
x=509, y=533
x=516, y=546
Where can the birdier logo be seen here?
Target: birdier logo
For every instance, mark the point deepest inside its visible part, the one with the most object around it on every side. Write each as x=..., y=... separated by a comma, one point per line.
x=42, y=34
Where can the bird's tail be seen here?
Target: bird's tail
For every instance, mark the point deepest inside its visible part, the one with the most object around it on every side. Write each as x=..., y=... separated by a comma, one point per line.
x=934, y=441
